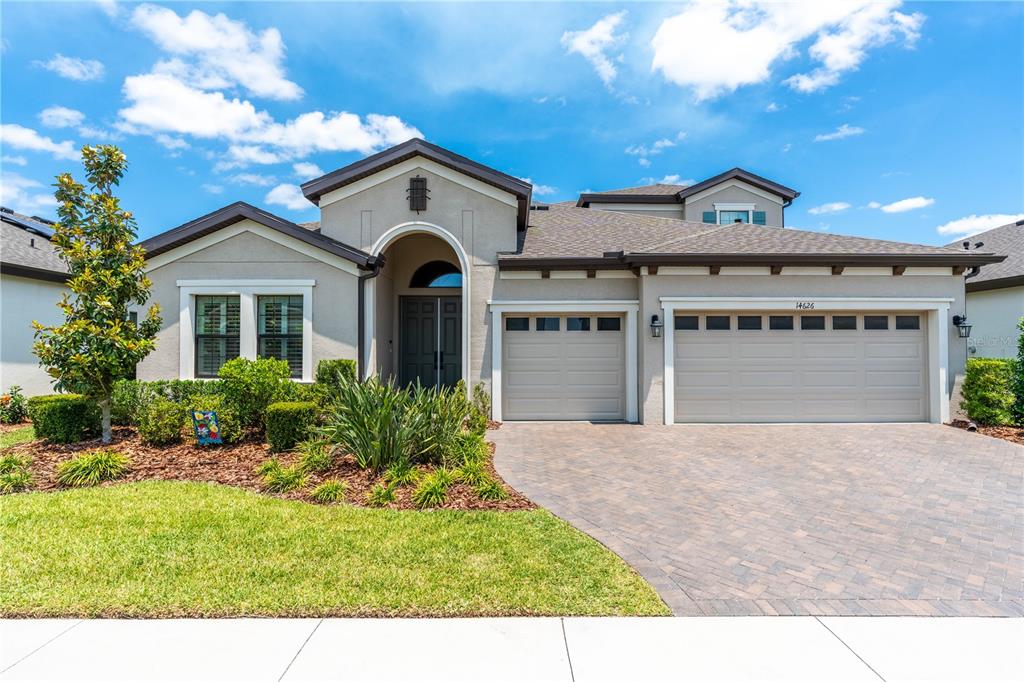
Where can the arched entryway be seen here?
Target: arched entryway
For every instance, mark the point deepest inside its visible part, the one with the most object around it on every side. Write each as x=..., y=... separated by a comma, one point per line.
x=417, y=323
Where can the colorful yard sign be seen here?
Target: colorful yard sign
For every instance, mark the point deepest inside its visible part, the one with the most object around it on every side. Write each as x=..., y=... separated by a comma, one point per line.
x=207, y=428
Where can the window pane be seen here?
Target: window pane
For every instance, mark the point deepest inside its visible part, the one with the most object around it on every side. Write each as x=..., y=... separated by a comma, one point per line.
x=876, y=322
x=748, y=322
x=686, y=322
x=279, y=330
x=716, y=322
x=811, y=322
x=283, y=348
x=548, y=324
x=517, y=324
x=212, y=352
x=726, y=217
x=908, y=322
x=577, y=324
x=609, y=324
x=780, y=322
x=217, y=315
x=844, y=322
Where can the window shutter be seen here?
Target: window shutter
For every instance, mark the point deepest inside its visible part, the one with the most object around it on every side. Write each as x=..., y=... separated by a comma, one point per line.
x=710, y=217
x=759, y=217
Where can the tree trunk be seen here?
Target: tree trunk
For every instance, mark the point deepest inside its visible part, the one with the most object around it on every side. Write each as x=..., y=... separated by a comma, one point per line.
x=105, y=410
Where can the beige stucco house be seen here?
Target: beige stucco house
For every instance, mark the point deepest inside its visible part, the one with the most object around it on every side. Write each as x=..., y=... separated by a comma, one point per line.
x=698, y=307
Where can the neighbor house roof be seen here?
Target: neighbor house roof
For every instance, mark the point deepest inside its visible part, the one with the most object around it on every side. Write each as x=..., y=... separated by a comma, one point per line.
x=670, y=194
x=25, y=248
x=583, y=238
x=1007, y=240
x=316, y=188
x=239, y=211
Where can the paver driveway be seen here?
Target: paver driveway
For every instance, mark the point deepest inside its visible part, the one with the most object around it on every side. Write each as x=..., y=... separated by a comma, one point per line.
x=905, y=519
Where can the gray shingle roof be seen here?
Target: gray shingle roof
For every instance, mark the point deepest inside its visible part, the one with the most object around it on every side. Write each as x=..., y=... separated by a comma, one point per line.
x=25, y=248
x=655, y=189
x=1007, y=240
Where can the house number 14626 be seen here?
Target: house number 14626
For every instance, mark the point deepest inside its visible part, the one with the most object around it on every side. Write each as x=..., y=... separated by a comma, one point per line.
x=805, y=305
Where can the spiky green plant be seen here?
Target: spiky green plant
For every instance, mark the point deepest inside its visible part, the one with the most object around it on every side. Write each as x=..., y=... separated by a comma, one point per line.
x=316, y=455
x=278, y=478
x=329, y=492
x=15, y=481
x=380, y=495
x=472, y=473
x=402, y=473
x=9, y=463
x=91, y=468
x=432, y=490
x=490, y=490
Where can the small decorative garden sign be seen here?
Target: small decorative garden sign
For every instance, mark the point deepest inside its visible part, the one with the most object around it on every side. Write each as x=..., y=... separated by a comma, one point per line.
x=207, y=428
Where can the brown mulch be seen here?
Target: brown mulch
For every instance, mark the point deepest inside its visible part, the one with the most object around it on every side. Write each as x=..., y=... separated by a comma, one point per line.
x=4, y=428
x=1014, y=434
x=235, y=465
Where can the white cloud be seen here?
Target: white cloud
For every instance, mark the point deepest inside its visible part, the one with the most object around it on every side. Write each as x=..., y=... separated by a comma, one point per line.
x=172, y=143
x=672, y=179
x=716, y=47
x=252, y=179
x=594, y=43
x=61, y=117
x=540, y=190
x=644, y=162
x=289, y=196
x=225, y=52
x=903, y=205
x=23, y=194
x=109, y=7
x=786, y=147
x=20, y=137
x=74, y=68
x=845, y=130
x=213, y=189
x=772, y=108
x=874, y=204
x=15, y=160
x=307, y=171
x=657, y=147
x=973, y=224
x=831, y=207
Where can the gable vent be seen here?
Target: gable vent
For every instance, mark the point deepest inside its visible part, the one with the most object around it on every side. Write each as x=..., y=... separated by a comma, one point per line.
x=418, y=194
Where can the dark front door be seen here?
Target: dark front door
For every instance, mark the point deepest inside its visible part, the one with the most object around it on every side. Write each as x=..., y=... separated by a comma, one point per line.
x=431, y=339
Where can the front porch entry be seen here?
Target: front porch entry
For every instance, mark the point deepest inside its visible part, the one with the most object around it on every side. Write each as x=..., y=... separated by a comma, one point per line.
x=431, y=340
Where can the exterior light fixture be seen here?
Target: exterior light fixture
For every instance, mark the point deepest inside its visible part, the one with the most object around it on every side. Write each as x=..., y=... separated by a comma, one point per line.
x=656, y=326
x=962, y=326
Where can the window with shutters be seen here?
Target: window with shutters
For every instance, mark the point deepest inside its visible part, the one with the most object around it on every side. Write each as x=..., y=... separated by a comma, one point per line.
x=217, y=333
x=279, y=332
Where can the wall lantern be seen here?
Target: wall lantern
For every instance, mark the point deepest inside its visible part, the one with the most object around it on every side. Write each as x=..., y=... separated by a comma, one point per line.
x=962, y=326
x=656, y=326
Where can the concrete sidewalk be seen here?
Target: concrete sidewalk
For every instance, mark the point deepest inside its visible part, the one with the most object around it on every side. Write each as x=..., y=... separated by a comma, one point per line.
x=573, y=649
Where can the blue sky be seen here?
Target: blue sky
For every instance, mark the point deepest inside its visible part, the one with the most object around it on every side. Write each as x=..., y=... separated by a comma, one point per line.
x=893, y=120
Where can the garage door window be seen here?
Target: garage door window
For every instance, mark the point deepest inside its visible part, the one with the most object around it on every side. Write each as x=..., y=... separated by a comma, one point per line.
x=812, y=322
x=686, y=323
x=780, y=322
x=549, y=324
x=577, y=324
x=517, y=324
x=716, y=322
x=609, y=324
x=844, y=323
x=748, y=322
x=876, y=322
x=908, y=322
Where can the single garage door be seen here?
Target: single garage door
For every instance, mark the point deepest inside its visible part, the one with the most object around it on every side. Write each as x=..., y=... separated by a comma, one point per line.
x=564, y=366
x=785, y=367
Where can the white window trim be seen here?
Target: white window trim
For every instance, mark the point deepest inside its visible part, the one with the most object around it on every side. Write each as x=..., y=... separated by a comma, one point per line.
x=938, y=335
x=630, y=308
x=247, y=291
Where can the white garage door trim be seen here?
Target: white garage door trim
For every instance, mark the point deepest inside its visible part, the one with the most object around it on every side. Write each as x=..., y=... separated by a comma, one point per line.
x=938, y=334
x=629, y=308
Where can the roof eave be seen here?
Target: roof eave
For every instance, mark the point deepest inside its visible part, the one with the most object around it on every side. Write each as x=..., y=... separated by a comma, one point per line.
x=585, y=200
x=18, y=270
x=993, y=284
x=629, y=260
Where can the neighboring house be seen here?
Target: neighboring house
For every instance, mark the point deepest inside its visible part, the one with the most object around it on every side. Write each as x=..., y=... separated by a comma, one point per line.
x=428, y=266
x=995, y=295
x=32, y=279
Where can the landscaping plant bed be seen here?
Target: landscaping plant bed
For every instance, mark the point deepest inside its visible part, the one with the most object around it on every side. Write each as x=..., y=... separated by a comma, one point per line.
x=236, y=465
x=1014, y=434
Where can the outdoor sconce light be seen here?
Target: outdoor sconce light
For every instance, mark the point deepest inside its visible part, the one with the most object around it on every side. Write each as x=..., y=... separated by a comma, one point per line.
x=656, y=326
x=962, y=326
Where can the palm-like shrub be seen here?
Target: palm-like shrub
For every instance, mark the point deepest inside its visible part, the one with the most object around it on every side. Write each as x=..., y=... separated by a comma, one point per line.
x=444, y=410
x=91, y=468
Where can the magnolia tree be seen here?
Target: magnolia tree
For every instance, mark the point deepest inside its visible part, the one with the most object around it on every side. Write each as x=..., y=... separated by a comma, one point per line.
x=97, y=344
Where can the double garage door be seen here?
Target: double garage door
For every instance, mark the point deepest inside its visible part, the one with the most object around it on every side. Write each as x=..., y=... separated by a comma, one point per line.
x=785, y=367
x=564, y=367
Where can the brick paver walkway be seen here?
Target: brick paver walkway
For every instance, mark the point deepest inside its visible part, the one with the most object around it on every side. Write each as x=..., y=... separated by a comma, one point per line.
x=907, y=519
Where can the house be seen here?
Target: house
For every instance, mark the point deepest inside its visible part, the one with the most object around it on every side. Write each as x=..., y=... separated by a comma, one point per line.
x=428, y=266
x=32, y=278
x=995, y=295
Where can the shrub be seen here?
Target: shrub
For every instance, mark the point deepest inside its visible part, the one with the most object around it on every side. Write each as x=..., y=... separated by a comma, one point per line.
x=987, y=395
x=432, y=490
x=15, y=481
x=373, y=420
x=330, y=374
x=331, y=490
x=91, y=468
x=9, y=463
x=162, y=421
x=467, y=448
x=64, y=418
x=13, y=406
x=249, y=386
x=315, y=455
x=444, y=410
x=230, y=429
x=380, y=495
x=402, y=473
x=472, y=473
x=289, y=423
x=490, y=490
x=296, y=392
x=1017, y=381
x=480, y=414
x=281, y=479
x=127, y=400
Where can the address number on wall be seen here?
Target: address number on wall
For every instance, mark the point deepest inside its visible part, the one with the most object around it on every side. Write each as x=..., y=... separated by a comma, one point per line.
x=805, y=305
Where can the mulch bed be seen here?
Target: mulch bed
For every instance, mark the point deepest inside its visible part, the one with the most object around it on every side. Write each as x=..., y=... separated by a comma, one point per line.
x=1014, y=434
x=4, y=428
x=235, y=465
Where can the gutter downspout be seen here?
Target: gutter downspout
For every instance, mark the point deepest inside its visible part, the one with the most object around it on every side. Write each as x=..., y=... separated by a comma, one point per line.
x=376, y=264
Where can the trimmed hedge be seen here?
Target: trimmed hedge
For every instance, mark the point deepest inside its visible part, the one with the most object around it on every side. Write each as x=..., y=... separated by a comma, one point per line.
x=331, y=372
x=162, y=421
x=64, y=417
x=289, y=424
x=988, y=398
x=250, y=386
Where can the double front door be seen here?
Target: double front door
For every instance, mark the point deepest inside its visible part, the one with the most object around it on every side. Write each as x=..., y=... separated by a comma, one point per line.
x=431, y=340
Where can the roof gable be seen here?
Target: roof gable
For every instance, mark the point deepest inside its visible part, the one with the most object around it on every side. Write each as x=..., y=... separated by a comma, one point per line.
x=746, y=176
x=661, y=193
x=1007, y=240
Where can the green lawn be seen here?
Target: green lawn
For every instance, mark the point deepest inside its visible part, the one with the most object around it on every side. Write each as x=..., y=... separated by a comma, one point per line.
x=168, y=548
x=22, y=435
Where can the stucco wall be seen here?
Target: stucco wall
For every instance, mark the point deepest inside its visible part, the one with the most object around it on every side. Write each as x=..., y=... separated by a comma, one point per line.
x=23, y=300
x=249, y=256
x=734, y=195
x=994, y=315
x=656, y=210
